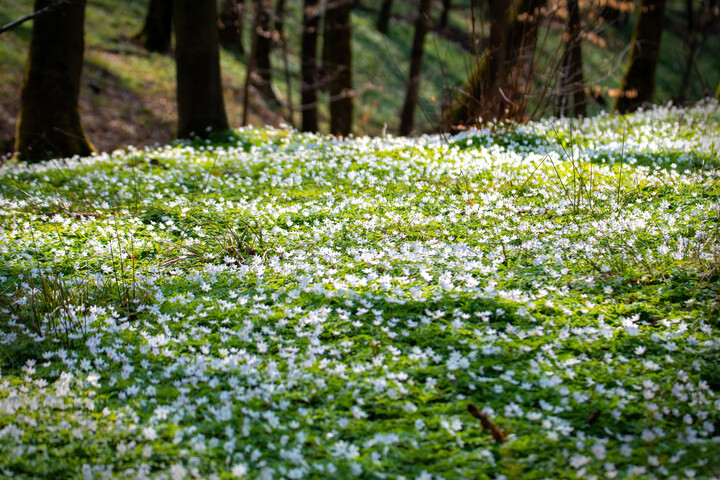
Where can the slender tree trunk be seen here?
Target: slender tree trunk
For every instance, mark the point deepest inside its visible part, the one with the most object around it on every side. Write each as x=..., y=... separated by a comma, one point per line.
x=339, y=66
x=442, y=23
x=638, y=83
x=250, y=67
x=280, y=18
x=49, y=122
x=311, y=22
x=571, y=71
x=576, y=62
x=383, y=22
x=694, y=46
x=231, y=24
x=199, y=87
x=717, y=92
x=262, y=80
x=280, y=13
x=413, y=88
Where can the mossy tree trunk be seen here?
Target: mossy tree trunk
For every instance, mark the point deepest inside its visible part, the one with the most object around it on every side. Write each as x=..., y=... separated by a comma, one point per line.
x=338, y=65
x=638, y=83
x=156, y=33
x=49, y=121
x=199, y=87
x=571, y=84
x=383, y=22
x=231, y=24
x=308, y=89
x=413, y=88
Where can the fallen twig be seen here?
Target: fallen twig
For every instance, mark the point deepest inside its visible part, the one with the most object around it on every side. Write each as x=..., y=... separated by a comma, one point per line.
x=486, y=423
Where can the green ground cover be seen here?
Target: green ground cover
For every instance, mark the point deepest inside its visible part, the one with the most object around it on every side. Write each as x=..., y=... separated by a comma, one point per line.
x=272, y=304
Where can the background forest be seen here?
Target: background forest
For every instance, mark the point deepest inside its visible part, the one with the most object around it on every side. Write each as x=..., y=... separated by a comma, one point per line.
x=128, y=80
x=127, y=91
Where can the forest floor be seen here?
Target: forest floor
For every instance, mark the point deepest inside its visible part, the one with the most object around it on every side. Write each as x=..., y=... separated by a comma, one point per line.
x=534, y=301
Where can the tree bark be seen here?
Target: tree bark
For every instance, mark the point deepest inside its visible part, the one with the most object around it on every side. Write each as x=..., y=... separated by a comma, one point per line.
x=231, y=24
x=638, y=83
x=442, y=22
x=311, y=22
x=250, y=65
x=280, y=13
x=262, y=78
x=490, y=97
x=413, y=88
x=383, y=22
x=479, y=97
x=156, y=33
x=493, y=90
x=49, y=121
x=338, y=67
x=696, y=35
x=571, y=68
x=280, y=18
x=520, y=57
x=199, y=87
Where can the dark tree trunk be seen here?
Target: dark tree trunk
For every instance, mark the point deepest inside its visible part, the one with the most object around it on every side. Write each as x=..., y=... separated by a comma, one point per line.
x=250, y=66
x=520, y=57
x=499, y=13
x=199, y=86
x=571, y=68
x=638, y=83
x=493, y=89
x=311, y=22
x=49, y=122
x=156, y=33
x=280, y=18
x=231, y=24
x=262, y=78
x=338, y=68
x=413, y=88
x=691, y=38
x=482, y=97
x=442, y=22
x=281, y=36
x=383, y=22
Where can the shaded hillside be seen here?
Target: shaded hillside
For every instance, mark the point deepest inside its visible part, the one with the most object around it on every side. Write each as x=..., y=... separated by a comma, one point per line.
x=128, y=95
